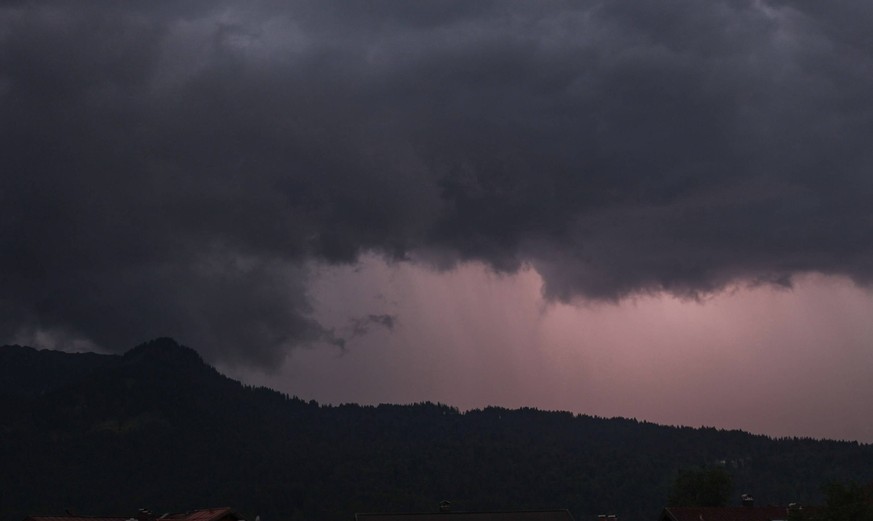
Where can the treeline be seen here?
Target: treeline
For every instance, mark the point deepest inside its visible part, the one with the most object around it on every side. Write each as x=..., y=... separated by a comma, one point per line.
x=159, y=429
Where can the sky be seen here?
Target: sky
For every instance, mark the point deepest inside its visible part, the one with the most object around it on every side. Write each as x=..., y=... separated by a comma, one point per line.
x=658, y=210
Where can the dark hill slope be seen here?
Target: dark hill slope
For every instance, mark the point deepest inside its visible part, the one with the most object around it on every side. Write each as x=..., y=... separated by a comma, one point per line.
x=24, y=371
x=159, y=428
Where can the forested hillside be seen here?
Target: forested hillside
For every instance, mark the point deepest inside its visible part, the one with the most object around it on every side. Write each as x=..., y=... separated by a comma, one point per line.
x=157, y=428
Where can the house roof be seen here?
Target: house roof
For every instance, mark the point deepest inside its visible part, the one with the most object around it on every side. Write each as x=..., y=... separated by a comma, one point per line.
x=521, y=515
x=744, y=513
x=206, y=514
x=74, y=518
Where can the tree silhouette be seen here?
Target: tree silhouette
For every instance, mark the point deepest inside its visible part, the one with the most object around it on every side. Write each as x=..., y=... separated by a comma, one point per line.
x=701, y=488
x=847, y=502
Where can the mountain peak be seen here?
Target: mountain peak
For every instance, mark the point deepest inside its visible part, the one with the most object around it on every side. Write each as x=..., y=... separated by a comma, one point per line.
x=165, y=350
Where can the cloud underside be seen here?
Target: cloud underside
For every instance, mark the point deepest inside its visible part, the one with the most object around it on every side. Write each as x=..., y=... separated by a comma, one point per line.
x=180, y=168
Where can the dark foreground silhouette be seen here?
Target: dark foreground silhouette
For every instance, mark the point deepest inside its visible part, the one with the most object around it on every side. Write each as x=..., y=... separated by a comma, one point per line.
x=158, y=428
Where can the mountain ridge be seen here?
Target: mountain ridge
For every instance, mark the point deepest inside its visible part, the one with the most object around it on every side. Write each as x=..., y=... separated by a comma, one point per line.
x=158, y=427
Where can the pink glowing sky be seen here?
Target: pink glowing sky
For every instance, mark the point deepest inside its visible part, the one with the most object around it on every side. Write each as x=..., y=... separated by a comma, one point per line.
x=782, y=362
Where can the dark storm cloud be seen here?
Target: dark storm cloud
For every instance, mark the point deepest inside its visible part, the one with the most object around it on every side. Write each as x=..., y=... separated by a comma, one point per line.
x=175, y=168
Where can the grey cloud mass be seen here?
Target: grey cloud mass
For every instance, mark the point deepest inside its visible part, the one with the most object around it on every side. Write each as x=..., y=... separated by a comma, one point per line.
x=179, y=167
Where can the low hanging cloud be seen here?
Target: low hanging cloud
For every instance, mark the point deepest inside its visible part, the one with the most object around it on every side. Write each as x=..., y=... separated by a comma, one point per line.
x=179, y=168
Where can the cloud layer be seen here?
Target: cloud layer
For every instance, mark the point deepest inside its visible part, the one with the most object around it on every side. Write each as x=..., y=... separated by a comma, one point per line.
x=180, y=168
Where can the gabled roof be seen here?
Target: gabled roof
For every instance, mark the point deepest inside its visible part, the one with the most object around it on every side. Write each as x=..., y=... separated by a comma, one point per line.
x=520, y=515
x=724, y=514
